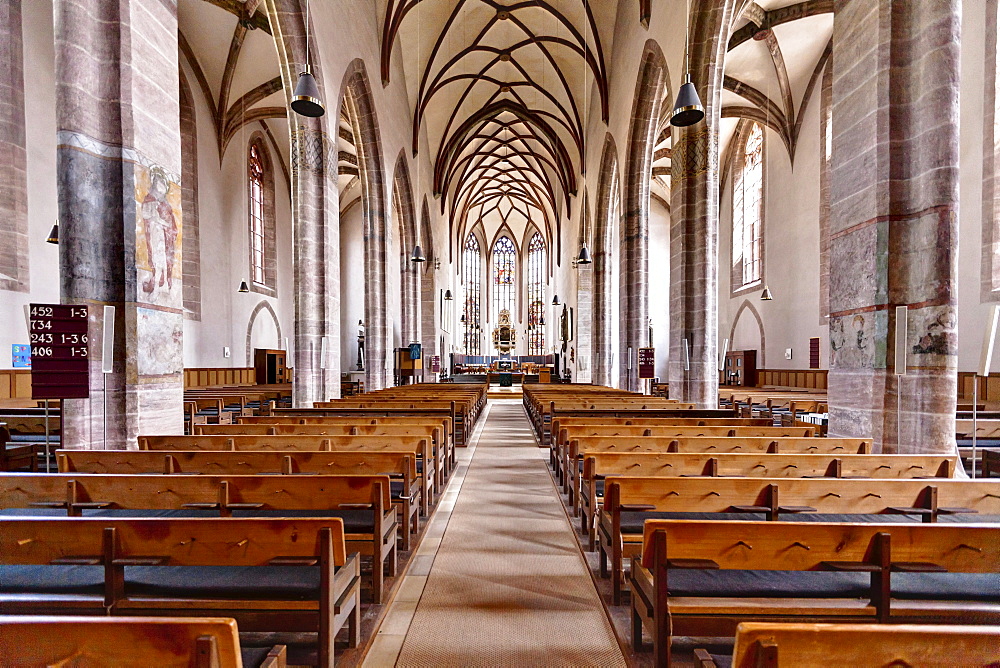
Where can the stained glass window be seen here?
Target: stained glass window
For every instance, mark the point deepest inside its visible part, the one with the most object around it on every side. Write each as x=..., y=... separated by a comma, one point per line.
x=504, y=280
x=472, y=266
x=748, y=196
x=536, y=295
x=255, y=175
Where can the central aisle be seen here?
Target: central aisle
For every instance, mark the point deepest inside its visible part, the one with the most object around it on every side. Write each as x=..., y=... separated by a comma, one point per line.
x=509, y=585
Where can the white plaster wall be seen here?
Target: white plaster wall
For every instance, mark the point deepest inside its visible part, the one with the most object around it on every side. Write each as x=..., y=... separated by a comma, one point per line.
x=352, y=283
x=659, y=284
x=972, y=313
x=40, y=133
x=791, y=255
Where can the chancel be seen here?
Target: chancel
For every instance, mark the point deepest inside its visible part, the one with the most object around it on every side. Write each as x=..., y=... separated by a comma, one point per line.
x=490, y=332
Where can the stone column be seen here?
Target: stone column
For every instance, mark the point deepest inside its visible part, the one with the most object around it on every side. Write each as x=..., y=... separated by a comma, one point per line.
x=118, y=166
x=893, y=222
x=694, y=219
x=315, y=218
x=13, y=154
x=584, y=322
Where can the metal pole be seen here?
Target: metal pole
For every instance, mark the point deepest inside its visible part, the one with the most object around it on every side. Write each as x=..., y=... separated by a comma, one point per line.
x=48, y=468
x=105, y=411
x=975, y=414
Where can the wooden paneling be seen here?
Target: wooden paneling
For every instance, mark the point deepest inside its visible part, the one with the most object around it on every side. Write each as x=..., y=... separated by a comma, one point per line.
x=15, y=383
x=207, y=376
x=814, y=379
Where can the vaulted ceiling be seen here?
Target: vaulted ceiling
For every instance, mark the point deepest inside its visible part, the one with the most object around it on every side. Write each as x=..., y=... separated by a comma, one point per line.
x=502, y=90
x=228, y=47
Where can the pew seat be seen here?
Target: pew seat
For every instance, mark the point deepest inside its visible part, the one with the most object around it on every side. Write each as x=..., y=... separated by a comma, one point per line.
x=760, y=644
x=166, y=642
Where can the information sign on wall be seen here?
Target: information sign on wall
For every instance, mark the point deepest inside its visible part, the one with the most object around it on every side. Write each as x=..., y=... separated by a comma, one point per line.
x=436, y=364
x=20, y=356
x=647, y=357
x=60, y=366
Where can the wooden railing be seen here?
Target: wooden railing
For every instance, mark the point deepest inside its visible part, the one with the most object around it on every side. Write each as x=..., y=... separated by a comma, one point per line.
x=809, y=378
x=205, y=376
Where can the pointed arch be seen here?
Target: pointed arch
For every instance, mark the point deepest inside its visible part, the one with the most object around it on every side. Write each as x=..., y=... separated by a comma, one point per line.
x=652, y=87
x=536, y=252
x=356, y=94
x=747, y=305
x=428, y=286
x=410, y=274
x=472, y=294
x=607, y=212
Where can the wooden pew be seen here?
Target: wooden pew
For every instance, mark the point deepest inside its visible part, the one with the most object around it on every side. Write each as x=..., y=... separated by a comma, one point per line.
x=257, y=596
x=428, y=465
x=573, y=463
x=624, y=412
x=460, y=430
x=247, y=496
x=166, y=642
x=400, y=466
x=436, y=433
x=690, y=578
x=760, y=644
x=631, y=500
x=14, y=456
x=597, y=466
x=991, y=462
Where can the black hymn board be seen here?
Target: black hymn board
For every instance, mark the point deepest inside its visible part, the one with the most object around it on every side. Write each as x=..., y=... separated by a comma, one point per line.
x=60, y=368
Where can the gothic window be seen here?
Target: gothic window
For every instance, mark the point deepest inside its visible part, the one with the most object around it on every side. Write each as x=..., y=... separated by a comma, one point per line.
x=472, y=267
x=536, y=295
x=260, y=219
x=504, y=281
x=748, y=199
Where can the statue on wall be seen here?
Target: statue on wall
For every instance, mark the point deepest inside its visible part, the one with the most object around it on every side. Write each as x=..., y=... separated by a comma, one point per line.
x=361, y=345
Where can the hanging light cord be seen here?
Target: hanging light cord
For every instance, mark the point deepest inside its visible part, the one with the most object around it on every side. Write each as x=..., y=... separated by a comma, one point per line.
x=307, y=37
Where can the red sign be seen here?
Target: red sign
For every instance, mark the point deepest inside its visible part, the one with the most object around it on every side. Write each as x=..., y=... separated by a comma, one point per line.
x=435, y=364
x=60, y=368
x=647, y=362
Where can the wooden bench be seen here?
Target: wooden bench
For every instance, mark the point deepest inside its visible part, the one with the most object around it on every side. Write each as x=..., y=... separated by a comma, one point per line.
x=609, y=414
x=460, y=430
x=14, y=456
x=362, y=502
x=698, y=578
x=632, y=500
x=573, y=461
x=168, y=642
x=600, y=465
x=991, y=462
x=400, y=466
x=429, y=466
x=271, y=575
x=436, y=433
x=760, y=644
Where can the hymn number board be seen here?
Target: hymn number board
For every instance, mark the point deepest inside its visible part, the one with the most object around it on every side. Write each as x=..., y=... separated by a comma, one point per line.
x=60, y=368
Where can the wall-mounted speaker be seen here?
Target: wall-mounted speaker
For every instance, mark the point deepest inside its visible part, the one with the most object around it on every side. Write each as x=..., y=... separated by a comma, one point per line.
x=687, y=355
x=108, y=342
x=989, y=341
x=901, y=322
x=725, y=351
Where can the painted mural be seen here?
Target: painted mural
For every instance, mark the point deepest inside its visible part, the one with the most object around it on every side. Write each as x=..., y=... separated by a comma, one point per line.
x=157, y=238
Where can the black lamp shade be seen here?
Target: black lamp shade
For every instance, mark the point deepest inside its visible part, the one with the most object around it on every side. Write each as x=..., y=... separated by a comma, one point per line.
x=463, y=317
x=418, y=254
x=306, y=100
x=447, y=296
x=687, y=109
x=244, y=287
x=555, y=300
x=766, y=295
x=53, y=234
x=584, y=256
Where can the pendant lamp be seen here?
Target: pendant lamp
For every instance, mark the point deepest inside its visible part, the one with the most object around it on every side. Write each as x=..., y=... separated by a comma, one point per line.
x=244, y=287
x=447, y=296
x=418, y=254
x=306, y=100
x=766, y=295
x=54, y=234
x=688, y=109
x=555, y=300
x=584, y=257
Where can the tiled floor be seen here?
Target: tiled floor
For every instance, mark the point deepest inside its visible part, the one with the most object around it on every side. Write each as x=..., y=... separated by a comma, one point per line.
x=498, y=579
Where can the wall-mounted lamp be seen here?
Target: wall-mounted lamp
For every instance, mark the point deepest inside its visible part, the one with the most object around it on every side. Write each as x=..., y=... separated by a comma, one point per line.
x=54, y=234
x=437, y=264
x=447, y=296
x=418, y=254
x=766, y=295
x=244, y=287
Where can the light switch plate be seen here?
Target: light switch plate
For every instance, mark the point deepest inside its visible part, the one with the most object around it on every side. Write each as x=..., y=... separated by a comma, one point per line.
x=225, y=351
x=788, y=353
